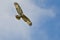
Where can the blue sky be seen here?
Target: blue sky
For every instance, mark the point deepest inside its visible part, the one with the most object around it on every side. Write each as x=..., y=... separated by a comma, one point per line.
x=44, y=14
x=52, y=25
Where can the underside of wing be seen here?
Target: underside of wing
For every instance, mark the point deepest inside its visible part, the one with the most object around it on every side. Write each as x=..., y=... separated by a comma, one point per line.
x=27, y=20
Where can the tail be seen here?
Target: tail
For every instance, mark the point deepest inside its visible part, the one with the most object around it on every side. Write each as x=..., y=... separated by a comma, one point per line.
x=18, y=17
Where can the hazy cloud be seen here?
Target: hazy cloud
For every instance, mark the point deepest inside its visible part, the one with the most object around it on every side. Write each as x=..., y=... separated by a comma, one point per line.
x=11, y=29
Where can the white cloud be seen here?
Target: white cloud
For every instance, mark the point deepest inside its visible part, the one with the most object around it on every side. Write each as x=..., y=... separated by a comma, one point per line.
x=10, y=27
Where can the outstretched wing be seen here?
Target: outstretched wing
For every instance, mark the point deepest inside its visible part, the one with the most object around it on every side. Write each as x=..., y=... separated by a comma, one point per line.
x=26, y=19
x=18, y=8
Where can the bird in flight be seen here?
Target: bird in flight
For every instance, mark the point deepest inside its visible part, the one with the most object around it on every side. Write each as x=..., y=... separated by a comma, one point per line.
x=21, y=15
